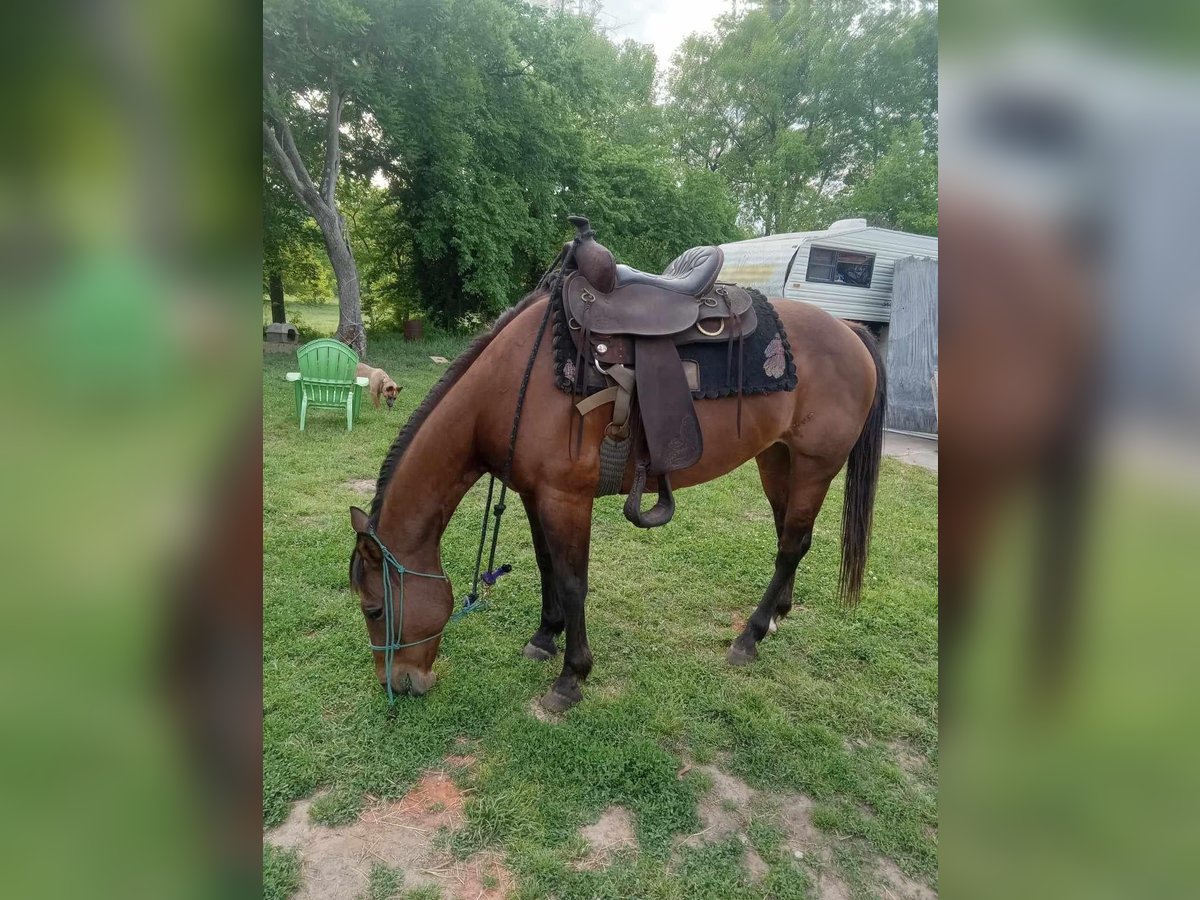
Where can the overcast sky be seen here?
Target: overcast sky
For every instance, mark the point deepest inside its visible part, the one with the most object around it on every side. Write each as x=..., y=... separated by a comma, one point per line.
x=663, y=23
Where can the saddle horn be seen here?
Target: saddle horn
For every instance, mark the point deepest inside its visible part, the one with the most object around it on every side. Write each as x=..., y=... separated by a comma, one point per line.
x=594, y=261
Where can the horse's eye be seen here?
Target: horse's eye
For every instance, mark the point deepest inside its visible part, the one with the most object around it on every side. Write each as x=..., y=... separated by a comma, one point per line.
x=373, y=613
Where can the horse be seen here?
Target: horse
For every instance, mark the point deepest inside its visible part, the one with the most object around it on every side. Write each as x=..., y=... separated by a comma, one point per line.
x=1023, y=339
x=800, y=439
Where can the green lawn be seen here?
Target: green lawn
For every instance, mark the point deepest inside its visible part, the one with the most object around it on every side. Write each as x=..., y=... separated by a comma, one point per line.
x=822, y=712
x=319, y=318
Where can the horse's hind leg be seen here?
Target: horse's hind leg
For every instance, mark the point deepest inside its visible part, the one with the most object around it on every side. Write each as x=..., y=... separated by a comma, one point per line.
x=774, y=470
x=543, y=645
x=806, y=492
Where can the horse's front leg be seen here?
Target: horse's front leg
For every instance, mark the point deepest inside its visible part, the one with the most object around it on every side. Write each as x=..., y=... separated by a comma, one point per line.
x=543, y=644
x=566, y=523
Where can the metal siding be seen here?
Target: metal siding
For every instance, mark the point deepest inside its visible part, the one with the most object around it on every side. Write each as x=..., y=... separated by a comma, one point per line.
x=762, y=263
x=912, y=348
x=871, y=304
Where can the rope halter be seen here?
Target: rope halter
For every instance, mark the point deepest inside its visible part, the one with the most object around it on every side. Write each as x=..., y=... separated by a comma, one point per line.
x=393, y=623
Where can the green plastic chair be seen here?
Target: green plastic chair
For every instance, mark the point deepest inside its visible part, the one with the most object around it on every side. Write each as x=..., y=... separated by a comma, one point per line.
x=326, y=379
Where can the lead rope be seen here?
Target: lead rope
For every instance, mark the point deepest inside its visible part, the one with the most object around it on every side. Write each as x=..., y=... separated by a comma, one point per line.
x=492, y=574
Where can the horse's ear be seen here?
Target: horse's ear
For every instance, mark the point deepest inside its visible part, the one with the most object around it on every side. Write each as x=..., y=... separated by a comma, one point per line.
x=359, y=520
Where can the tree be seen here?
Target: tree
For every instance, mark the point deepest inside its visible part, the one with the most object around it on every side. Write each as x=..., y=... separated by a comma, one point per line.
x=900, y=191
x=282, y=221
x=316, y=55
x=793, y=101
x=292, y=246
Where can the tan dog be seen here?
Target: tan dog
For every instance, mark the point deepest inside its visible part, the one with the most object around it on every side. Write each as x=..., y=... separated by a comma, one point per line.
x=381, y=384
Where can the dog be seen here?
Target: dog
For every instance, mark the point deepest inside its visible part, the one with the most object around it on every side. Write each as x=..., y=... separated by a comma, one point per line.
x=381, y=384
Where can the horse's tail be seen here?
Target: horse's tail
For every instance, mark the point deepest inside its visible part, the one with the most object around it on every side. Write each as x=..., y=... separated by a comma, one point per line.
x=862, y=476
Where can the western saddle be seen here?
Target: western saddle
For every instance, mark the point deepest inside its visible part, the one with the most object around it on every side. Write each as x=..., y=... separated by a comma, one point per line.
x=627, y=327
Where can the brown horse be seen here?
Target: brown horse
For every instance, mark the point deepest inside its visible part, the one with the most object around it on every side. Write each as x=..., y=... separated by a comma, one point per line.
x=800, y=440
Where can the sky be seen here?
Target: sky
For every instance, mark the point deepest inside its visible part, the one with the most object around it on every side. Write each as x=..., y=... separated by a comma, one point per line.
x=663, y=23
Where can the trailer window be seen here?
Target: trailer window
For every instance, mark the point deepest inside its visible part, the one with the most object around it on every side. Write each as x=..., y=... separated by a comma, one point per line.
x=840, y=267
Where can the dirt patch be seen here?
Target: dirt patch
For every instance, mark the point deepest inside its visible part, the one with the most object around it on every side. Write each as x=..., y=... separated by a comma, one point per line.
x=909, y=760
x=723, y=809
x=361, y=485
x=737, y=623
x=830, y=886
x=725, y=812
x=478, y=872
x=609, y=835
x=542, y=714
x=898, y=885
x=464, y=761
x=336, y=862
x=433, y=802
x=754, y=865
x=812, y=847
x=796, y=816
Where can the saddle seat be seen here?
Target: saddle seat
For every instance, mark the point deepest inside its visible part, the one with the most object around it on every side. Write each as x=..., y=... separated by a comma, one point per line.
x=685, y=302
x=627, y=326
x=692, y=273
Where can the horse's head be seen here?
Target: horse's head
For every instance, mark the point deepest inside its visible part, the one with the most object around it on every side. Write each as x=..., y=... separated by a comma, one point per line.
x=405, y=610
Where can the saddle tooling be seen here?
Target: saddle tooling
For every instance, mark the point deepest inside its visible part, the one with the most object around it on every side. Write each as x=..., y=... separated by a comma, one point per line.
x=651, y=345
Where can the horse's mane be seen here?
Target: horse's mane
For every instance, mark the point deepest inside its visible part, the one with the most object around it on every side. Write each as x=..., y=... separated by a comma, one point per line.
x=461, y=363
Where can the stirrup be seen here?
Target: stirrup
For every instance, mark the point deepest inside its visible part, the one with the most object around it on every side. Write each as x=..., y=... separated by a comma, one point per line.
x=659, y=514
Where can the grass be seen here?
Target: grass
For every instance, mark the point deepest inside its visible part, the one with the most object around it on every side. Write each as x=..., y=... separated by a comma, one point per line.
x=313, y=318
x=814, y=714
x=281, y=873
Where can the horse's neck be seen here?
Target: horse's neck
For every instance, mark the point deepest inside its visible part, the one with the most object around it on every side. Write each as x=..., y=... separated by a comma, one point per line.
x=435, y=472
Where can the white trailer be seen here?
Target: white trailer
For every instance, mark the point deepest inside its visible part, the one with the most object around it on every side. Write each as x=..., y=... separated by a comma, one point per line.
x=847, y=269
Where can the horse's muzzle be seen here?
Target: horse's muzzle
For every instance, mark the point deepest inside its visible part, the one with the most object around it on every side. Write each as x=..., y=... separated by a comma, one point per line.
x=411, y=682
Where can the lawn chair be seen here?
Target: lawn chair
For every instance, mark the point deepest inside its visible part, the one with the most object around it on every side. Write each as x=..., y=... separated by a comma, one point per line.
x=326, y=379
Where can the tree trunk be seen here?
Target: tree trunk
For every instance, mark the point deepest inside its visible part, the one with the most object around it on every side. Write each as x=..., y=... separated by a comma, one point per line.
x=321, y=205
x=351, y=330
x=275, y=289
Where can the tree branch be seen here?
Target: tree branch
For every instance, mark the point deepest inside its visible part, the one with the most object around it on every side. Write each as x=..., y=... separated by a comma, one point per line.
x=512, y=73
x=289, y=146
x=298, y=181
x=333, y=150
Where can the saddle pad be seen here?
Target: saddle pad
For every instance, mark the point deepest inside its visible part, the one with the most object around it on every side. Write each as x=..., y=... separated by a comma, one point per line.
x=767, y=366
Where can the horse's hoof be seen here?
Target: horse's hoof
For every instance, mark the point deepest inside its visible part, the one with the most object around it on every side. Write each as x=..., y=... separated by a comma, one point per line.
x=555, y=702
x=533, y=651
x=739, y=656
x=773, y=626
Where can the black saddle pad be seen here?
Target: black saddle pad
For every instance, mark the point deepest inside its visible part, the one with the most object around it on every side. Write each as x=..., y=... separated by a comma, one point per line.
x=767, y=364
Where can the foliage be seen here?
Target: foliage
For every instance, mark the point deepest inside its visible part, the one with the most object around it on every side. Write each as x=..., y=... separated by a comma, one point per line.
x=292, y=245
x=509, y=120
x=900, y=190
x=648, y=212
x=474, y=127
x=317, y=57
x=792, y=100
